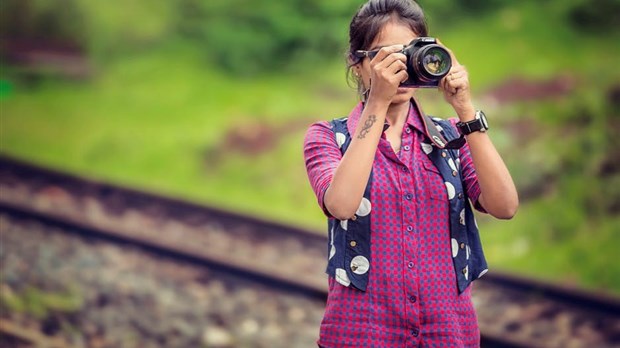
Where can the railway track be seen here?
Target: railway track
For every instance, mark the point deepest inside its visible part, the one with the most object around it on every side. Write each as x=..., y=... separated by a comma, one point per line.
x=211, y=234
x=126, y=293
x=513, y=311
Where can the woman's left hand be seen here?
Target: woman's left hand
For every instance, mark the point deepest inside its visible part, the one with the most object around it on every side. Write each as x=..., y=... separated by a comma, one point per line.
x=455, y=87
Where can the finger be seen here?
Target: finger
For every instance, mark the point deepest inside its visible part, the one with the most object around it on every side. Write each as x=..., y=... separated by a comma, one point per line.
x=444, y=83
x=454, y=89
x=391, y=59
x=452, y=79
x=396, y=66
x=458, y=84
x=456, y=74
x=460, y=77
x=449, y=77
x=449, y=87
x=451, y=84
x=402, y=76
x=457, y=71
x=384, y=52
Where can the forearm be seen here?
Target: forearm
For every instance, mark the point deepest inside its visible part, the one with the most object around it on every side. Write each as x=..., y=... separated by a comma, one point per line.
x=498, y=192
x=346, y=189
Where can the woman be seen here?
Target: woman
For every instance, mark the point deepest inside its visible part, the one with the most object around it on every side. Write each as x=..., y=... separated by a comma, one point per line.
x=403, y=243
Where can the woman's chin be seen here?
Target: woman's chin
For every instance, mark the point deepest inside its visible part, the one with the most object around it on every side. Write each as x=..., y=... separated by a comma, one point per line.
x=403, y=95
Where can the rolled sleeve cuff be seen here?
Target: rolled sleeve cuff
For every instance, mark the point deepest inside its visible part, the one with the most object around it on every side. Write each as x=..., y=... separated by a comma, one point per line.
x=474, y=196
x=321, y=199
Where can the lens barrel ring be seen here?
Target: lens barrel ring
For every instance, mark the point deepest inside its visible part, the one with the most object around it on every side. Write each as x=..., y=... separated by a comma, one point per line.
x=431, y=62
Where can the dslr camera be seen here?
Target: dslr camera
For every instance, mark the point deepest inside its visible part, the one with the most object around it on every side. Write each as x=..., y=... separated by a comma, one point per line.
x=427, y=62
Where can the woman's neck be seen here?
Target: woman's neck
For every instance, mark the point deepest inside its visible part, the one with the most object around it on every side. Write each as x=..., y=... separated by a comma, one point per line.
x=397, y=113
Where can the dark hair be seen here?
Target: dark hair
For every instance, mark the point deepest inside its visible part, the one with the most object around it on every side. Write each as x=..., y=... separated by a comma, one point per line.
x=371, y=17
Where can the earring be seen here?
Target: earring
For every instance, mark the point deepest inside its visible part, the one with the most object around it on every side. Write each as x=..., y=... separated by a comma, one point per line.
x=364, y=92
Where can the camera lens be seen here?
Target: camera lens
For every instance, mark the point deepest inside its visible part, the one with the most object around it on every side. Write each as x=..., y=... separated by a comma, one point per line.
x=432, y=62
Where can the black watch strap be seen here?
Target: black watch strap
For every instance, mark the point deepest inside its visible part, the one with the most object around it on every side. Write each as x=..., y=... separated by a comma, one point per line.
x=479, y=124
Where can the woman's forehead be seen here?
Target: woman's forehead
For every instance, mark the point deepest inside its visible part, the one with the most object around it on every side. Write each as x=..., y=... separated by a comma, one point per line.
x=393, y=32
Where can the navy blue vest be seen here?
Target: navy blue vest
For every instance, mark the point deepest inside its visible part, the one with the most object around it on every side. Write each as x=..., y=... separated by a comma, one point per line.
x=349, y=257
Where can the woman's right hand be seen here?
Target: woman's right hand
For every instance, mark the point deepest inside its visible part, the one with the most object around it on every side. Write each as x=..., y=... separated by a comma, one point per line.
x=388, y=70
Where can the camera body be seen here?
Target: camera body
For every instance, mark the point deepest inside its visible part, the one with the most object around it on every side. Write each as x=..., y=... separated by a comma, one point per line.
x=427, y=63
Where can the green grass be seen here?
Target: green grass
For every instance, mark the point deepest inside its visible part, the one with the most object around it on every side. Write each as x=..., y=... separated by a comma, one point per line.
x=158, y=119
x=151, y=121
x=561, y=245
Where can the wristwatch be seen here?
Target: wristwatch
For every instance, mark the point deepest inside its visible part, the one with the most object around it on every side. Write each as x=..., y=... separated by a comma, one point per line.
x=479, y=124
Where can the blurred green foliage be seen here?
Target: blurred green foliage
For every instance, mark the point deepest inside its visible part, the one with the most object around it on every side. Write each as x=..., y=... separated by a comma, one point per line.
x=249, y=36
x=241, y=36
x=569, y=181
x=210, y=101
x=39, y=303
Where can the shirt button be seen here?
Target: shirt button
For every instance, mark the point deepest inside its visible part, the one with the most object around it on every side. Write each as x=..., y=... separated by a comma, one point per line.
x=408, y=130
x=409, y=228
x=405, y=169
x=462, y=245
x=408, y=196
x=444, y=154
x=354, y=217
x=353, y=243
x=407, y=147
x=415, y=332
x=412, y=299
x=454, y=173
x=460, y=195
x=410, y=264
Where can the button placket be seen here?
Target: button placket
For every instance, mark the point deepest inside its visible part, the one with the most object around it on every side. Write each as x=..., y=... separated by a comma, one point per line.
x=408, y=183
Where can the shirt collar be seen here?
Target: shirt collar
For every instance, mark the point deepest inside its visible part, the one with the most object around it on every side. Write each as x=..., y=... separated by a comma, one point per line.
x=415, y=117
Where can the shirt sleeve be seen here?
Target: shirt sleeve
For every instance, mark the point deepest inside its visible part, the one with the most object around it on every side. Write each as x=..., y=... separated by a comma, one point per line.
x=468, y=172
x=322, y=156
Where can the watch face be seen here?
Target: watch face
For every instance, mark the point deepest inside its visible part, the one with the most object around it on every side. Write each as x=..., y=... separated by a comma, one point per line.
x=483, y=118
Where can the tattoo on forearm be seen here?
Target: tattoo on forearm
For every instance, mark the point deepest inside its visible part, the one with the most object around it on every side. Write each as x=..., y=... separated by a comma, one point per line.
x=367, y=125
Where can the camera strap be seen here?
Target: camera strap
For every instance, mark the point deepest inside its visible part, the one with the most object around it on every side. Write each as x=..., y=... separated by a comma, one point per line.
x=435, y=135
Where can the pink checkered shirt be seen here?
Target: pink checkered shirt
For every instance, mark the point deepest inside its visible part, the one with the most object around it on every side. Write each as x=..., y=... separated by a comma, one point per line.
x=411, y=299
